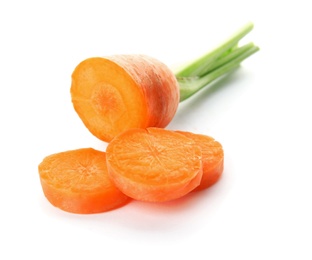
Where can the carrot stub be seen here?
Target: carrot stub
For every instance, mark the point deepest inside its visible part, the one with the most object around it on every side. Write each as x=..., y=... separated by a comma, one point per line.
x=116, y=93
x=212, y=158
x=77, y=181
x=154, y=164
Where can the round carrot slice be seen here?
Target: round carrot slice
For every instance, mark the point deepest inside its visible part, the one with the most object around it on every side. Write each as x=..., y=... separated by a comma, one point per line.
x=77, y=181
x=116, y=93
x=212, y=157
x=154, y=164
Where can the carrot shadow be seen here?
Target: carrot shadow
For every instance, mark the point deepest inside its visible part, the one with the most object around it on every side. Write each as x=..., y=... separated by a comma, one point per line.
x=165, y=217
x=144, y=218
x=181, y=205
x=207, y=93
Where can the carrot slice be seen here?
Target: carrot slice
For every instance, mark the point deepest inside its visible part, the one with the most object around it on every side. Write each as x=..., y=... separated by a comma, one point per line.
x=154, y=164
x=212, y=156
x=116, y=93
x=77, y=181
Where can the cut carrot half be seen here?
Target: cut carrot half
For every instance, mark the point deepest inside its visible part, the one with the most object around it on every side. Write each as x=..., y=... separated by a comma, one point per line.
x=212, y=157
x=116, y=93
x=154, y=164
x=77, y=181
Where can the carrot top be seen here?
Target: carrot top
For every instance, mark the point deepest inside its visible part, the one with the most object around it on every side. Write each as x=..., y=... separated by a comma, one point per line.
x=216, y=63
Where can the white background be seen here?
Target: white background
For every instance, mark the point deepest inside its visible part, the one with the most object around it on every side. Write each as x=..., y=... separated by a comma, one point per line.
x=260, y=209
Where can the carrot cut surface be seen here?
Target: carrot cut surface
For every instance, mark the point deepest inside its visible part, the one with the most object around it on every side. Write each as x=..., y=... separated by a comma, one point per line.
x=116, y=93
x=154, y=164
x=212, y=158
x=77, y=181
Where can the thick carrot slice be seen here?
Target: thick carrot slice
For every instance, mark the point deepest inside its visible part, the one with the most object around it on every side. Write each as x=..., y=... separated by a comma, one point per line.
x=212, y=157
x=77, y=181
x=154, y=164
x=120, y=92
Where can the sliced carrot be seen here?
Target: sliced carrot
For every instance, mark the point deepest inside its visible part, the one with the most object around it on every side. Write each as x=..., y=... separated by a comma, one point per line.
x=120, y=92
x=77, y=181
x=154, y=164
x=212, y=157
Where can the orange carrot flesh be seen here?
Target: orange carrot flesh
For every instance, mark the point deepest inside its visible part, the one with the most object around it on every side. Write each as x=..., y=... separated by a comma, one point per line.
x=154, y=164
x=121, y=92
x=77, y=181
x=212, y=157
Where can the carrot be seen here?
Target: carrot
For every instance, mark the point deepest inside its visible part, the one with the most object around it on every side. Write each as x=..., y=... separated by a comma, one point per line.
x=212, y=158
x=77, y=181
x=154, y=164
x=115, y=93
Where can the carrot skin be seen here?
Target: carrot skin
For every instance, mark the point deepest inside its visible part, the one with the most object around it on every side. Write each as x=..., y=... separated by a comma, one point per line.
x=158, y=83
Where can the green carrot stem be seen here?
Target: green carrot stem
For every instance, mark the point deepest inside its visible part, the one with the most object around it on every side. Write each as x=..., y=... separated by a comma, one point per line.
x=229, y=56
x=200, y=66
x=191, y=85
